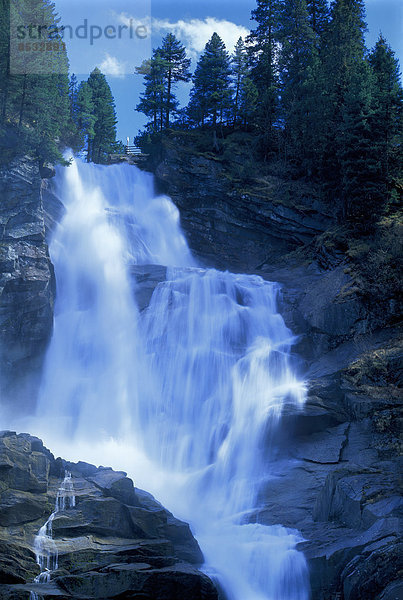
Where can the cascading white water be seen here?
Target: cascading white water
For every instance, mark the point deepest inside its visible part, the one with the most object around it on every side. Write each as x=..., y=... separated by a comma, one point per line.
x=188, y=393
x=222, y=353
x=47, y=555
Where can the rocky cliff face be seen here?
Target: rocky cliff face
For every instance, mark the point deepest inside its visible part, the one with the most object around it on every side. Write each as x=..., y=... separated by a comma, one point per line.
x=26, y=281
x=342, y=490
x=116, y=542
x=232, y=226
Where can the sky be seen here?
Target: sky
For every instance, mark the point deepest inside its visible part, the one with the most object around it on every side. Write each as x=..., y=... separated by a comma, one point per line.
x=117, y=35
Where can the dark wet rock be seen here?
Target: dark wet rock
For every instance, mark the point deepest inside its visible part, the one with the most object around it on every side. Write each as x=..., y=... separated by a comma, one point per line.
x=147, y=277
x=231, y=226
x=117, y=542
x=324, y=447
x=53, y=208
x=341, y=490
x=48, y=591
x=327, y=308
x=349, y=489
x=24, y=466
x=131, y=580
x=369, y=575
x=20, y=507
x=393, y=591
x=16, y=564
x=47, y=171
x=27, y=285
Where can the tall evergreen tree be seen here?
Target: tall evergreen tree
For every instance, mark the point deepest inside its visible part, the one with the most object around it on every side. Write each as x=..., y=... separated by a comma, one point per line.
x=348, y=160
x=152, y=100
x=85, y=117
x=248, y=101
x=263, y=43
x=105, y=117
x=360, y=184
x=240, y=70
x=73, y=91
x=318, y=15
x=176, y=69
x=298, y=58
x=34, y=99
x=211, y=94
x=387, y=119
x=4, y=58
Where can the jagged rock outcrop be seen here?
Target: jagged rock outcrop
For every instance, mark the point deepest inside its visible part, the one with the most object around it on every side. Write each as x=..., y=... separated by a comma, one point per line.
x=117, y=542
x=237, y=227
x=27, y=286
x=343, y=490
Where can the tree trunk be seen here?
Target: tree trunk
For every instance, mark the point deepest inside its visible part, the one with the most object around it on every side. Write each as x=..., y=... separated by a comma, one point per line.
x=168, y=98
x=238, y=85
x=215, y=141
x=5, y=98
x=24, y=89
x=7, y=73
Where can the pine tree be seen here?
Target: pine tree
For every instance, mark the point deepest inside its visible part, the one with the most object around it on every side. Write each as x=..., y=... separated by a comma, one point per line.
x=177, y=65
x=4, y=58
x=167, y=66
x=34, y=109
x=318, y=15
x=73, y=92
x=152, y=100
x=105, y=117
x=360, y=184
x=263, y=44
x=85, y=117
x=74, y=137
x=387, y=119
x=348, y=161
x=248, y=101
x=240, y=70
x=211, y=93
x=298, y=57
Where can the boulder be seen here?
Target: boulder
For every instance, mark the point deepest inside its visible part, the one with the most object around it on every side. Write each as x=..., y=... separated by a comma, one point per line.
x=142, y=581
x=115, y=484
x=20, y=507
x=369, y=575
x=117, y=541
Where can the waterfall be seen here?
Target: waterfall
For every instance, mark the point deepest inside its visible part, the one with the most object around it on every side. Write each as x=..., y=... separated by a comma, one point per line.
x=189, y=394
x=222, y=353
x=47, y=556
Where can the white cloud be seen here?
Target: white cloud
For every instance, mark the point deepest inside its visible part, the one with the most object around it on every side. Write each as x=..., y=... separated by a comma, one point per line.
x=193, y=33
x=111, y=66
x=132, y=22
